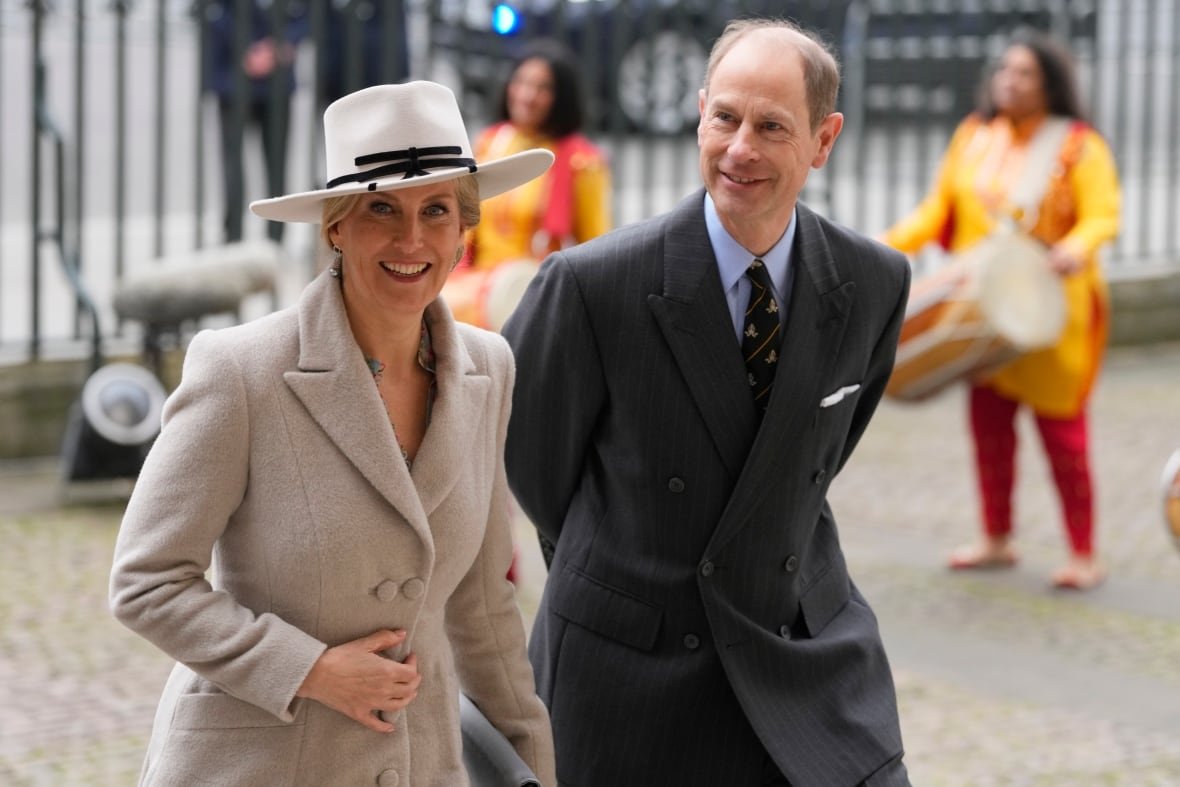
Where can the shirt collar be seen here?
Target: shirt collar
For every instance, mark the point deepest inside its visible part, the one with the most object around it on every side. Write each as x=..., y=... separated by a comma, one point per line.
x=733, y=259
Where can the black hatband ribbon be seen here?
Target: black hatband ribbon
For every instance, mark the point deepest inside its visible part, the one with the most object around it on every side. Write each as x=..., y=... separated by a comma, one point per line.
x=408, y=161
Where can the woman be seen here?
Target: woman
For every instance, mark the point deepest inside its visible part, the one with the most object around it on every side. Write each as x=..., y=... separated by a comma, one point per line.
x=339, y=466
x=1028, y=156
x=541, y=106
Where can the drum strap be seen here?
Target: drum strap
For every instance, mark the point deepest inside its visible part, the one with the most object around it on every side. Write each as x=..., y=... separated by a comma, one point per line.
x=1044, y=155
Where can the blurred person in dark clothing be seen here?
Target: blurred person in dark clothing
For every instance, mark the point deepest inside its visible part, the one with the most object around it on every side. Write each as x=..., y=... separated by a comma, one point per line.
x=364, y=44
x=248, y=64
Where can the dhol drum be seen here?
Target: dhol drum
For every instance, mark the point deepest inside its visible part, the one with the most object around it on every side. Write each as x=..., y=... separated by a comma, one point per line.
x=1170, y=484
x=988, y=306
x=487, y=296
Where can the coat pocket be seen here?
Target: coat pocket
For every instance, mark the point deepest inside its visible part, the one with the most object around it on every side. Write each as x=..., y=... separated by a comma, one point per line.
x=824, y=599
x=218, y=739
x=222, y=712
x=613, y=613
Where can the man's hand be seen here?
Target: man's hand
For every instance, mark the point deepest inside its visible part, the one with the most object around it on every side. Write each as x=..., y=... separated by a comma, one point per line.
x=1065, y=260
x=354, y=679
x=260, y=59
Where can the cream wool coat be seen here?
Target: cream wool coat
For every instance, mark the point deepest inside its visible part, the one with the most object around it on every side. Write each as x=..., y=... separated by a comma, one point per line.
x=275, y=517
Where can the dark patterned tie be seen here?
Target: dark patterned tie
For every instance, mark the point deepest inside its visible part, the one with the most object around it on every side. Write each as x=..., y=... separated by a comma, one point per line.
x=760, y=336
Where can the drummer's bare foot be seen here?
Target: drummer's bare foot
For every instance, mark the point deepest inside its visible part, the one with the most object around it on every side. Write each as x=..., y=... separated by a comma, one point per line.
x=988, y=553
x=1080, y=573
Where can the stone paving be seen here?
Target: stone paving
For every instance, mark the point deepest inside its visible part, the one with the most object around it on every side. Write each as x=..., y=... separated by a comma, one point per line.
x=1001, y=680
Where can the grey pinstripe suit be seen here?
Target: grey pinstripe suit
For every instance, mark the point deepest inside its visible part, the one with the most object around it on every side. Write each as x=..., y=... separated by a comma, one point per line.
x=698, y=614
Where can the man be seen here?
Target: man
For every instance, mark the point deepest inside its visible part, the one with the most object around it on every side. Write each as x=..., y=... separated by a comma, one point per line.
x=699, y=626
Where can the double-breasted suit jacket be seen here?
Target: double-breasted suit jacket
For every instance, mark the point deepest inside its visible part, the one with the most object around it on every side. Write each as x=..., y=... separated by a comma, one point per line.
x=699, y=615
x=276, y=517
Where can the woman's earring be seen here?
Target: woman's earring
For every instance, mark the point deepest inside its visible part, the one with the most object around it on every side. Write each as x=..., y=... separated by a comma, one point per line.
x=336, y=268
x=458, y=256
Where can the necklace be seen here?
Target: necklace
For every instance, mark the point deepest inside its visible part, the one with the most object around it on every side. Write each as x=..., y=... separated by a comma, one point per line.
x=426, y=361
x=376, y=368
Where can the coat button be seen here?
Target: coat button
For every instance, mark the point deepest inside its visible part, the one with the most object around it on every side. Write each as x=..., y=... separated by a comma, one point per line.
x=387, y=590
x=388, y=778
x=784, y=631
x=820, y=476
x=692, y=641
x=707, y=568
x=675, y=484
x=790, y=564
x=412, y=588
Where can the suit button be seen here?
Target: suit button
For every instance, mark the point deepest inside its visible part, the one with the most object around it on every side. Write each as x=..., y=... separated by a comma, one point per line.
x=412, y=588
x=692, y=641
x=675, y=484
x=387, y=590
x=707, y=568
x=388, y=778
x=784, y=631
x=820, y=476
x=791, y=564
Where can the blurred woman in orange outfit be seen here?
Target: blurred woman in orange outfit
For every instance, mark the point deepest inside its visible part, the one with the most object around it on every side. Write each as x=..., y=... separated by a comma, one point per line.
x=1029, y=139
x=541, y=106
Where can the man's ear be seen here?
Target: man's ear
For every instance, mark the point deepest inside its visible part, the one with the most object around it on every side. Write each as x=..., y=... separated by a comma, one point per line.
x=827, y=132
x=700, y=112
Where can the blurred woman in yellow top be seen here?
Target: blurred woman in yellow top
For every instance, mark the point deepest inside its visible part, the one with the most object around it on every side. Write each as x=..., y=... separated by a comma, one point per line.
x=1030, y=106
x=541, y=106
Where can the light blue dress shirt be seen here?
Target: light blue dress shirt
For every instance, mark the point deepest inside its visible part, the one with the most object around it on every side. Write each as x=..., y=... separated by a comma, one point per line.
x=733, y=260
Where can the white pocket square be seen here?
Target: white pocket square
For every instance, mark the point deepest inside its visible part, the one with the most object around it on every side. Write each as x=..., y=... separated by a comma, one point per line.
x=838, y=396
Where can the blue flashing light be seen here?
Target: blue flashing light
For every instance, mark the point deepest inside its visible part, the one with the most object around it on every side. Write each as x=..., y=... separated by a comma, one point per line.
x=505, y=19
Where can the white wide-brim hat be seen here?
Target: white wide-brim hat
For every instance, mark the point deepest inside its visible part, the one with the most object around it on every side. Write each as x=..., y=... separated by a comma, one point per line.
x=389, y=137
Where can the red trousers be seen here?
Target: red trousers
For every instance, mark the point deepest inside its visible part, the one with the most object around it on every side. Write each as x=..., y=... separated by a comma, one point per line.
x=1066, y=443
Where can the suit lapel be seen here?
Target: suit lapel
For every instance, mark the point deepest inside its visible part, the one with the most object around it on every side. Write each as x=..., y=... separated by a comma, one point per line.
x=693, y=315
x=335, y=385
x=816, y=320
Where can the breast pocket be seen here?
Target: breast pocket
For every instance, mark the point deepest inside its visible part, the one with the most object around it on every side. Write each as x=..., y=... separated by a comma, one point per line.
x=833, y=417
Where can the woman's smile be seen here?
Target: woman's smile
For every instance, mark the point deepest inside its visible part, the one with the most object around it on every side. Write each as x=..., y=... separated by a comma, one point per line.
x=409, y=271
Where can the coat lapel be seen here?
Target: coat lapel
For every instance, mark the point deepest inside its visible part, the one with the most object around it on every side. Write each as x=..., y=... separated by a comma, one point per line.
x=694, y=318
x=459, y=408
x=335, y=385
x=817, y=316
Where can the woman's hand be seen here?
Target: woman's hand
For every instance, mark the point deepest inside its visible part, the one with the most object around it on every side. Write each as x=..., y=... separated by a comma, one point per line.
x=354, y=679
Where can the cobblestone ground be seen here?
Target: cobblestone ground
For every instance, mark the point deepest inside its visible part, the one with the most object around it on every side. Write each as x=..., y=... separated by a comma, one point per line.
x=1001, y=680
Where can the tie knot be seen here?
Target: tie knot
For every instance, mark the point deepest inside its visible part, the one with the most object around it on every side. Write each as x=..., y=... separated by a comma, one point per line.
x=758, y=273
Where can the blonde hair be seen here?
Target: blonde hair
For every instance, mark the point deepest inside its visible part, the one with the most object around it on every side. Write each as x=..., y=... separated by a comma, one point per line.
x=821, y=69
